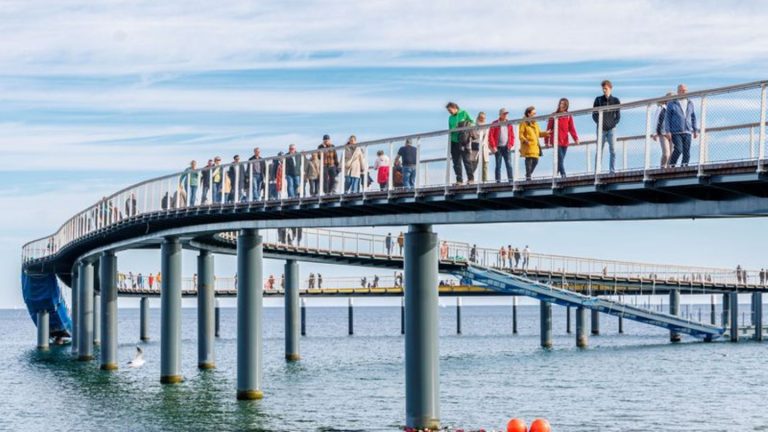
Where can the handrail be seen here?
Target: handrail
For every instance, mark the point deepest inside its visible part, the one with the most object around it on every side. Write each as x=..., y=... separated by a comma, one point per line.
x=164, y=189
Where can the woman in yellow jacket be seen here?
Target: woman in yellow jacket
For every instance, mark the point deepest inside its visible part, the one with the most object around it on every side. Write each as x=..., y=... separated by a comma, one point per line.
x=529, y=142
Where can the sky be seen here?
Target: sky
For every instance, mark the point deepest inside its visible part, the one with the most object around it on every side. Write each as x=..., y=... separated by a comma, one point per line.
x=95, y=96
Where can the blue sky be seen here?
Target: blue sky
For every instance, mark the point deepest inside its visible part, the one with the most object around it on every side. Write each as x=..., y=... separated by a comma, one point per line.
x=95, y=96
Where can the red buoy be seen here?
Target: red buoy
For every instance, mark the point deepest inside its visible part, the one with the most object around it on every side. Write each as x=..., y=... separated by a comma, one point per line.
x=540, y=425
x=516, y=425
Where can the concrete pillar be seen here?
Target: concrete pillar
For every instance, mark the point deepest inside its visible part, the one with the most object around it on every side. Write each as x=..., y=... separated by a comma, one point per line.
x=582, y=340
x=757, y=300
x=458, y=315
x=97, y=317
x=621, y=324
x=546, y=324
x=108, y=306
x=726, y=310
x=292, y=318
x=350, y=317
x=75, y=308
x=250, y=293
x=734, y=318
x=217, y=318
x=568, y=319
x=712, y=310
x=43, y=330
x=674, y=309
x=422, y=395
x=514, y=314
x=170, y=312
x=85, y=318
x=206, y=299
x=303, y=317
x=402, y=315
x=144, y=319
x=595, y=322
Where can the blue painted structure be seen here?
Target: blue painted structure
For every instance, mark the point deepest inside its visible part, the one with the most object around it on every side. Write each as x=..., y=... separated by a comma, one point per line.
x=42, y=293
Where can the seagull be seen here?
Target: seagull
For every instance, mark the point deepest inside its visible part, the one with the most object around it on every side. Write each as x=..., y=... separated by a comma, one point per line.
x=138, y=359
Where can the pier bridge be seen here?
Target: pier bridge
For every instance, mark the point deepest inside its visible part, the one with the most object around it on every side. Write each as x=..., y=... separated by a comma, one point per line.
x=725, y=177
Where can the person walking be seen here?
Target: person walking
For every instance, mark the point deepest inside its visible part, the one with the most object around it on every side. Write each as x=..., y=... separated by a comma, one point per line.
x=565, y=127
x=381, y=166
x=257, y=168
x=483, y=153
x=444, y=250
x=502, y=261
x=666, y=145
x=526, y=257
x=473, y=254
x=679, y=125
x=217, y=179
x=292, y=171
x=131, y=208
x=530, y=133
x=190, y=180
x=611, y=119
x=140, y=280
x=388, y=244
x=510, y=255
x=501, y=143
x=460, y=142
x=151, y=280
x=275, y=177
x=236, y=177
x=330, y=165
x=406, y=157
x=319, y=280
x=312, y=173
x=354, y=165
x=206, y=180
x=401, y=242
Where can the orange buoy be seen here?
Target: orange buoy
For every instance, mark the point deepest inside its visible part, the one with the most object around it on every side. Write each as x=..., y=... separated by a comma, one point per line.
x=516, y=425
x=540, y=425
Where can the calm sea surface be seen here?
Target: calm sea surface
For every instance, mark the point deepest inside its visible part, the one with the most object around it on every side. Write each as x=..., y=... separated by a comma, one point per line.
x=636, y=381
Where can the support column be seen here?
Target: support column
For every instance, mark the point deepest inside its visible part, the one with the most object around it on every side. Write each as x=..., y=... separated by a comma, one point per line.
x=514, y=314
x=85, y=318
x=724, y=320
x=734, y=318
x=206, y=299
x=712, y=311
x=144, y=319
x=458, y=315
x=568, y=319
x=75, y=307
x=546, y=324
x=350, y=317
x=292, y=318
x=674, y=309
x=422, y=395
x=303, y=317
x=217, y=318
x=402, y=315
x=43, y=330
x=621, y=324
x=582, y=340
x=97, y=317
x=170, y=312
x=250, y=292
x=757, y=300
x=595, y=322
x=108, y=306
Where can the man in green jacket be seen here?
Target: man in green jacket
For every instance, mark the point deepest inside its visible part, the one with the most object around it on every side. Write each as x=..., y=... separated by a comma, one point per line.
x=190, y=180
x=460, y=142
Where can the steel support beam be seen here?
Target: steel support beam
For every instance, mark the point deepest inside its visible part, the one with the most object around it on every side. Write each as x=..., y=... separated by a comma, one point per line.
x=170, y=312
x=144, y=319
x=595, y=322
x=250, y=292
x=43, y=330
x=582, y=340
x=674, y=309
x=292, y=311
x=206, y=326
x=108, y=305
x=734, y=318
x=85, y=318
x=546, y=324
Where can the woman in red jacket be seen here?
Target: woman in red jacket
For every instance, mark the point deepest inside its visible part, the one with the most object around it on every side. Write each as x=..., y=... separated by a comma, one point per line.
x=564, y=128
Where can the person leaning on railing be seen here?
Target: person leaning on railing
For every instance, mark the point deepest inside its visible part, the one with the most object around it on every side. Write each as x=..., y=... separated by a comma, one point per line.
x=460, y=142
x=565, y=127
x=530, y=133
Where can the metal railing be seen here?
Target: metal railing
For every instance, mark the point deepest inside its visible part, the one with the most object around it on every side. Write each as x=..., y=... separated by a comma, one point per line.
x=730, y=127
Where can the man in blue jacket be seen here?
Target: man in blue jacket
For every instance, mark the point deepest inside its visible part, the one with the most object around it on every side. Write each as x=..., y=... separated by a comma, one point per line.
x=679, y=126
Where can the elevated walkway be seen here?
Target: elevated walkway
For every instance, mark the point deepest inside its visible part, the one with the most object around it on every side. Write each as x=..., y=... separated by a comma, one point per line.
x=504, y=282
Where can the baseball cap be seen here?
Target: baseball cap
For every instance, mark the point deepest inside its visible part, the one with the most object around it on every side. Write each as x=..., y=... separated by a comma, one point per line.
x=503, y=111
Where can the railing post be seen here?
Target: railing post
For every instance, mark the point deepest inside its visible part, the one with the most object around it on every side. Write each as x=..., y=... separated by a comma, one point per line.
x=391, y=168
x=321, y=183
x=448, y=164
x=250, y=179
x=624, y=154
x=301, y=176
x=588, y=154
x=555, y=148
x=761, y=132
x=343, y=171
x=418, y=163
x=751, y=143
x=364, y=186
x=703, y=136
x=516, y=165
x=599, y=150
x=647, y=153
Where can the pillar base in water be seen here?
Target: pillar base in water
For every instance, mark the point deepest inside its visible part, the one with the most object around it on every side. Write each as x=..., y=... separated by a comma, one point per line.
x=85, y=358
x=171, y=379
x=144, y=339
x=109, y=367
x=43, y=348
x=250, y=395
x=582, y=342
x=206, y=366
x=675, y=338
x=292, y=357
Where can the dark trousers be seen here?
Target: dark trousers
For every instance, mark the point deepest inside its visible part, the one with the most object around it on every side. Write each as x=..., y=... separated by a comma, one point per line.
x=561, y=159
x=460, y=157
x=503, y=154
x=313, y=186
x=329, y=179
x=530, y=165
x=681, y=144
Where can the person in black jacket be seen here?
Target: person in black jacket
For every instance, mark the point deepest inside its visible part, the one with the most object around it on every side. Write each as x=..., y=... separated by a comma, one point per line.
x=666, y=145
x=292, y=171
x=236, y=176
x=611, y=119
x=257, y=168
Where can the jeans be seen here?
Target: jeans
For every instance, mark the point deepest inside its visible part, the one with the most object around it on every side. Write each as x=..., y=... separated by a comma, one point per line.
x=461, y=157
x=352, y=184
x=609, y=136
x=191, y=195
x=409, y=176
x=273, y=192
x=292, y=183
x=681, y=143
x=530, y=165
x=314, y=185
x=257, y=187
x=561, y=159
x=204, y=195
x=502, y=153
x=216, y=193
